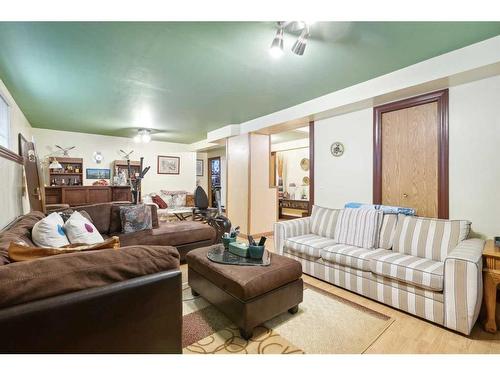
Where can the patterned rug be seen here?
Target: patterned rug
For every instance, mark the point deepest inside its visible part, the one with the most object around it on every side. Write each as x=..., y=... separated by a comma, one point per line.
x=325, y=324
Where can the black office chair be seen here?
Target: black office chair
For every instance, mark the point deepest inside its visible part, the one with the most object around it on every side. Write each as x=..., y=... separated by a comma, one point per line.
x=212, y=216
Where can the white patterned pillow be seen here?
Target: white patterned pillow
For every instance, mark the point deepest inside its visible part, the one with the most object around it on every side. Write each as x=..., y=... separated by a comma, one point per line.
x=174, y=199
x=81, y=231
x=49, y=232
x=180, y=199
x=358, y=227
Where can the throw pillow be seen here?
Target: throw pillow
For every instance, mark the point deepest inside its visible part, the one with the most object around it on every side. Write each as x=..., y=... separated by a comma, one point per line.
x=180, y=199
x=135, y=218
x=160, y=202
x=49, y=232
x=81, y=230
x=358, y=227
x=168, y=199
x=19, y=251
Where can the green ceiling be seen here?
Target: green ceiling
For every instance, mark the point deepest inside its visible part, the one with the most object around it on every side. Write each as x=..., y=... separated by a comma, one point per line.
x=186, y=78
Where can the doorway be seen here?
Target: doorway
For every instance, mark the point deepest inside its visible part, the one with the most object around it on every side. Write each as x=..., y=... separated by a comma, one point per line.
x=411, y=154
x=291, y=171
x=214, y=180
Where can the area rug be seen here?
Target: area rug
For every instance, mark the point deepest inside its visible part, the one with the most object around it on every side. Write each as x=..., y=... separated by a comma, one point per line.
x=325, y=324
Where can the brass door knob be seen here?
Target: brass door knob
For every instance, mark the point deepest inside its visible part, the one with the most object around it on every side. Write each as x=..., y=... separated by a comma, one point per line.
x=405, y=195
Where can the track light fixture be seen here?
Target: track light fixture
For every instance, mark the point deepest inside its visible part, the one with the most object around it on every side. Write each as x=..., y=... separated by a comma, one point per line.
x=277, y=44
x=299, y=46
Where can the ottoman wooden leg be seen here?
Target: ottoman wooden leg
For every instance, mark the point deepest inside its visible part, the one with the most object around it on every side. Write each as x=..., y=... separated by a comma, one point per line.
x=246, y=334
x=294, y=310
x=194, y=293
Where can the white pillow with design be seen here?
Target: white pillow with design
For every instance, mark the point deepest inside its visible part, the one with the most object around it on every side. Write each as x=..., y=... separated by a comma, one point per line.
x=49, y=232
x=81, y=230
x=180, y=199
x=168, y=199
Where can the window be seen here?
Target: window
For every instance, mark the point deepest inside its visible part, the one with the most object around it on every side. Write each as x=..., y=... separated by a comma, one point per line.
x=4, y=123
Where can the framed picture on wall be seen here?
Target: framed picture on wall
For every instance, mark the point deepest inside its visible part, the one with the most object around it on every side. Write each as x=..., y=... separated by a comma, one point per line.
x=169, y=165
x=199, y=167
x=97, y=174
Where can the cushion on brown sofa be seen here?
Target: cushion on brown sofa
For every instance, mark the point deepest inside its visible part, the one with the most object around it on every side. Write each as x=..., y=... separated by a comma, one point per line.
x=115, y=226
x=171, y=234
x=20, y=230
x=100, y=214
x=160, y=202
x=135, y=218
x=21, y=251
x=46, y=277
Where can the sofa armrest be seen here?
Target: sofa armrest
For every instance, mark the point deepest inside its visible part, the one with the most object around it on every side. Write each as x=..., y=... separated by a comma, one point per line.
x=463, y=285
x=290, y=228
x=140, y=315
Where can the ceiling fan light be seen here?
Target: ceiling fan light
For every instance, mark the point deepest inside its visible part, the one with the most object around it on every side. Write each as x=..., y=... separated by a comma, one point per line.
x=276, y=49
x=137, y=138
x=146, y=137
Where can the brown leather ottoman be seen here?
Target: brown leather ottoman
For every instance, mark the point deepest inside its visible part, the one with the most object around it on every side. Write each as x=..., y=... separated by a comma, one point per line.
x=248, y=295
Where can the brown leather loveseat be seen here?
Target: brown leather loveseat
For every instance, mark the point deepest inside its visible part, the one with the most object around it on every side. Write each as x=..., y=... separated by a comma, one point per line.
x=103, y=301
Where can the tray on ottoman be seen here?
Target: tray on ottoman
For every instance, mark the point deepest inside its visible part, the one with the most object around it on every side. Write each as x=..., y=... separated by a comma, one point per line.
x=249, y=296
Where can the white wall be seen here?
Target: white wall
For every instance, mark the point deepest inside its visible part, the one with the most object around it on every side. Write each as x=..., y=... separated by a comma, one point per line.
x=297, y=143
x=474, y=172
x=347, y=178
x=87, y=144
x=14, y=200
x=475, y=154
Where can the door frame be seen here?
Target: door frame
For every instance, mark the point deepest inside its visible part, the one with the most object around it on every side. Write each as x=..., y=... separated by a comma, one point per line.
x=209, y=169
x=311, y=166
x=441, y=97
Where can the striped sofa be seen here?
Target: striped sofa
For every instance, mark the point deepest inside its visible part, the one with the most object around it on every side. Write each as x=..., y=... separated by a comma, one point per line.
x=426, y=267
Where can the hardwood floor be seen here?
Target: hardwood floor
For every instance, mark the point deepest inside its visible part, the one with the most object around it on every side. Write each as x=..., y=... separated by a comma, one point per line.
x=409, y=334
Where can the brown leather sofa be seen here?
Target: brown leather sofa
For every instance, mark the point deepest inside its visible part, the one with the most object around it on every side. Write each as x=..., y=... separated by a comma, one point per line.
x=104, y=301
x=184, y=235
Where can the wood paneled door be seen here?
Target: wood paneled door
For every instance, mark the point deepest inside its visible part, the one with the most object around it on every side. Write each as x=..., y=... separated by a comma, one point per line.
x=411, y=154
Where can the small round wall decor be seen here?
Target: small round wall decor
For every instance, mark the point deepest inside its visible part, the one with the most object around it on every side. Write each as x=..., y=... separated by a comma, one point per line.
x=337, y=149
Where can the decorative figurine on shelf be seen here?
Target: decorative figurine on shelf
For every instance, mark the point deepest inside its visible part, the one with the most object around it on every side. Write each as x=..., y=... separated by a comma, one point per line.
x=135, y=184
x=65, y=150
x=126, y=155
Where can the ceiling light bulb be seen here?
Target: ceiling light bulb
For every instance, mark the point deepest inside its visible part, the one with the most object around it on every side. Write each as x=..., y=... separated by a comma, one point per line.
x=276, y=49
x=300, y=45
x=137, y=138
x=146, y=137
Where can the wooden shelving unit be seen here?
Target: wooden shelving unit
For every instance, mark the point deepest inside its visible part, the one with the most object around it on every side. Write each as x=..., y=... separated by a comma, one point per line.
x=71, y=175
